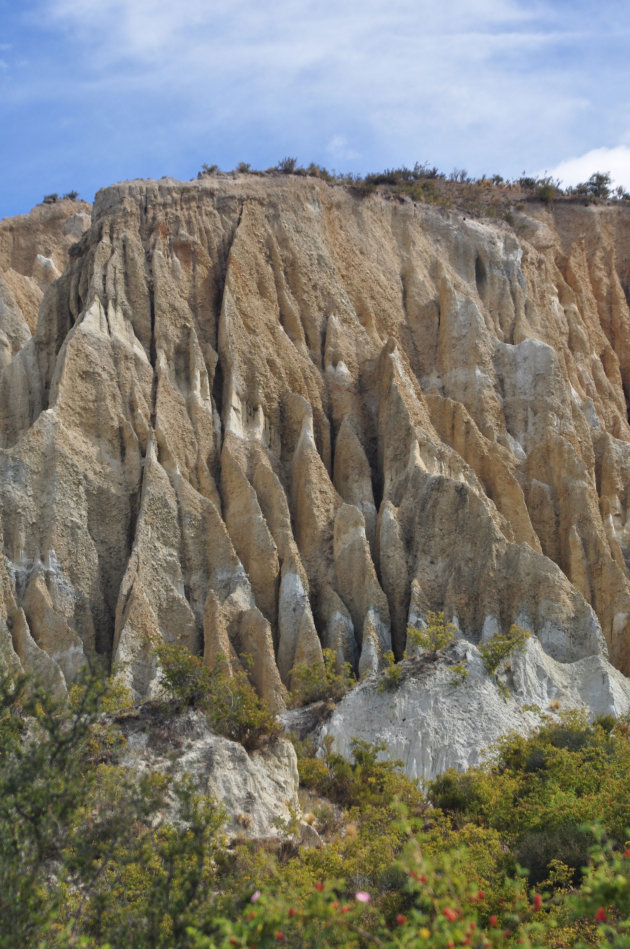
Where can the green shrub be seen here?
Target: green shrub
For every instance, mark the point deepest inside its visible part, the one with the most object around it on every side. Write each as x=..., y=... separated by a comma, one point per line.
x=315, y=682
x=541, y=790
x=436, y=636
x=457, y=793
x=569, y=845
x=363, y=780
x=88, y=860
x=392, y=674
x=314, y=773
x=226, y=696
x=460, y=672
x=501, y=646
x=598, y=185
x=73, y=824
x=546, y=191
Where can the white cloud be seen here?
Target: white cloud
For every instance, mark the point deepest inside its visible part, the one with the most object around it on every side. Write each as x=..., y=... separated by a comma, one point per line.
x=615, y=161
x=339, y=149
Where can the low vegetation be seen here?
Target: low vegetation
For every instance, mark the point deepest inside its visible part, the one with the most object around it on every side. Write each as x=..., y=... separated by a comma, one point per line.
x=436, y=635
x=485, y=196
x=495, y=650
x=325, y=681
x=223, y=692
x=53, y=198
x=529, y=850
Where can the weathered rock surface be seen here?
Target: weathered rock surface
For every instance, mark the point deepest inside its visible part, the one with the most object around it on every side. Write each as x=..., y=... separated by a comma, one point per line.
x=257, y=790
x=434, y=719
x=33, y=254
x=264, y=415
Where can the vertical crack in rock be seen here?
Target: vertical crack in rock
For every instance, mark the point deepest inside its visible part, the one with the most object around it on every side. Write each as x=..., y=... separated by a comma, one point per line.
x=218, y=387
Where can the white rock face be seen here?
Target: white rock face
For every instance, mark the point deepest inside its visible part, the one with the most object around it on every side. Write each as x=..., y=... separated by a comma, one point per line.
x=258, y=789
x=435, y=720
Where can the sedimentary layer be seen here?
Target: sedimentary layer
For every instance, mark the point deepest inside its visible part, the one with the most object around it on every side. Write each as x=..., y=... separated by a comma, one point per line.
x=265, y=416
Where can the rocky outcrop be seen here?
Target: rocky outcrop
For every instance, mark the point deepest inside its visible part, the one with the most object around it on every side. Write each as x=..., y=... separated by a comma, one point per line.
x=450, y=713
x=33, y=254
x=263, y=416
x=257, y=791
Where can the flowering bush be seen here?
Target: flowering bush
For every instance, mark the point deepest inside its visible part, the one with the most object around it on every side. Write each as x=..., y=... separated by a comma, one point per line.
x=88, y=859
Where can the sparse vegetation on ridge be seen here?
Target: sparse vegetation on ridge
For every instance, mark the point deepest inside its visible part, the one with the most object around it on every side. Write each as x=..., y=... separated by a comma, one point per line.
x=486, y=196
x=53, y=198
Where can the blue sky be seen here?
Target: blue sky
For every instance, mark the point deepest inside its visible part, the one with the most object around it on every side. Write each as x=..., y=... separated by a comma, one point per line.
x=95, y=91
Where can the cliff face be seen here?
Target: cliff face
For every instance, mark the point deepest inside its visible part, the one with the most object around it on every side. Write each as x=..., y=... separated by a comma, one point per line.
x=265, y=416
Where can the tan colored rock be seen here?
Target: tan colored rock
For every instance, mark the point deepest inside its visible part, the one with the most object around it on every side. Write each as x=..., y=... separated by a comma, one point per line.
x=249, y=533
x=50, y=631
x=263, y=415
x=358, y=585
x=339, y=633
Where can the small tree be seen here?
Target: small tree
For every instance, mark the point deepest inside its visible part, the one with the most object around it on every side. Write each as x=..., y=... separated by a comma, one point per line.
x=435, y=636
x=598, y=185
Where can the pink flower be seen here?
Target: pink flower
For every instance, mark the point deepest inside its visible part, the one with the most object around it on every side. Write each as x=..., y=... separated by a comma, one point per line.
x=256, y=896
x=363, y=897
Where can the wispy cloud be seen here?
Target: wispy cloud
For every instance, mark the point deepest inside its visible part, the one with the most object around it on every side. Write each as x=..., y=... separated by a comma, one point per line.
x=340, y=149
x=152, y=86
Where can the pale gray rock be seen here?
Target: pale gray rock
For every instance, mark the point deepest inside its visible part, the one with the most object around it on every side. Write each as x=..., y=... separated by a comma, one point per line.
x=435, y=719
x=258, y=789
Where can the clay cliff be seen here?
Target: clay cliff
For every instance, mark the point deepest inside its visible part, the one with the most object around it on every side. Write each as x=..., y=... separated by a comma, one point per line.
x=265, y=416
